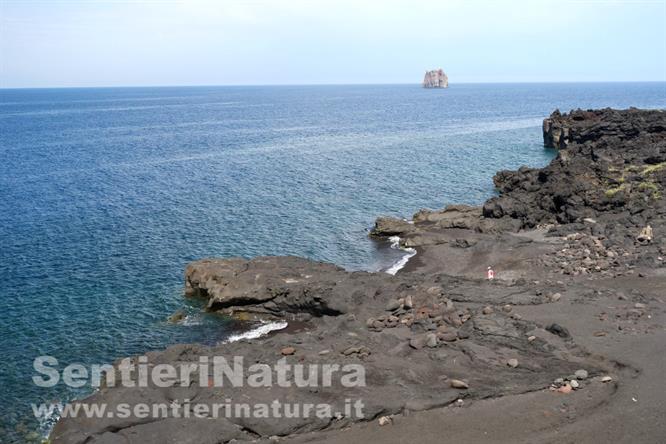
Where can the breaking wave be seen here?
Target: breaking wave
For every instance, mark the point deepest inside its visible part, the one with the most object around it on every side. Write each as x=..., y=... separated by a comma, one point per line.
x=258, y=332
x=409, y=253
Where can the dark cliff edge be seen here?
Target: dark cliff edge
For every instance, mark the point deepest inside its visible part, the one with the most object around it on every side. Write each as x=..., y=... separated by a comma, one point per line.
x=611, y=165
x=608, y=179
x=438, y=334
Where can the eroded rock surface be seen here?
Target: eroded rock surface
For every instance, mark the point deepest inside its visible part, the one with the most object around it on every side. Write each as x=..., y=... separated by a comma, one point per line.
x=412, y=336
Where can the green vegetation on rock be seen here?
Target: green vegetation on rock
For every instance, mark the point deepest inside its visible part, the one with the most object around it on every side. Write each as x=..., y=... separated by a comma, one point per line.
x=613, y=191
x=654, y=168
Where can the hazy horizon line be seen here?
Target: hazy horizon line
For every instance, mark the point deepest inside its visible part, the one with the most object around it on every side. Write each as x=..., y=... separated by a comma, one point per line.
x=239, y=85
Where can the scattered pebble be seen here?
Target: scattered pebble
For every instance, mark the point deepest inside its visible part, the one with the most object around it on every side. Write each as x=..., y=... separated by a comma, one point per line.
x=458, y=384
x=558, y=330
x=574, y=384
x=393, y=304
x=463, y=334
x=606, y=379
x=385, y=420
x=531, y=338
x=487, y=310
x=639, y=305
x=566, y=388
x=288, y=351
x=448, y=336
x=417, y=342
x=556, y=297
x=350, y=351
x=507, y=308
x=512, y=362
x=581, y=374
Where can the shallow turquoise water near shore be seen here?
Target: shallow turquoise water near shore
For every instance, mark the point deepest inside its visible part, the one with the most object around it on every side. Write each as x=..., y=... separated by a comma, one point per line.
x=106, y=194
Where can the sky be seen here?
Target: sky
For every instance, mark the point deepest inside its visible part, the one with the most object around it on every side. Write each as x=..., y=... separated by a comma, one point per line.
x=71, y=43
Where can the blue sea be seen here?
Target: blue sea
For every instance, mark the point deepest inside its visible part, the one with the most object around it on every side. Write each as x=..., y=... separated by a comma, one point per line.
x=107, y=193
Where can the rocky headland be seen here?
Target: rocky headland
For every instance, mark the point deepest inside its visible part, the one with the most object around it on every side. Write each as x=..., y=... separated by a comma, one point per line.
x=564, y=345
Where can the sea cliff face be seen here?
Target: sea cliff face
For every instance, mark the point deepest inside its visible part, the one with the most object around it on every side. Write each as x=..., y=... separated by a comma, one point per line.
x=560, y=130
x=439, y=334
x=436, y=78
x=611, y=165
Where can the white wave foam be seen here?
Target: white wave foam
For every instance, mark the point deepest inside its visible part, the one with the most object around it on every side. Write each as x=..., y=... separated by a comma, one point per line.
x=47, y=422
x=192, y=320
x=255, y=333
x=410, y=253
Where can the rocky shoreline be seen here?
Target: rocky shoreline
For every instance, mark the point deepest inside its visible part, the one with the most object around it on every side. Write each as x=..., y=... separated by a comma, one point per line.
x=569, y=331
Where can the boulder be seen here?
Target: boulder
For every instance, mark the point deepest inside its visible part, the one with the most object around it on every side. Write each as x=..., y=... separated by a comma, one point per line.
x=389, y=226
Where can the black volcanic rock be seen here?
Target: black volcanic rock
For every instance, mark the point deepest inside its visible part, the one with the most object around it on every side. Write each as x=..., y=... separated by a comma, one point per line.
x=610, y=163
x=389, y=226
x=269, y=285
x=578, y=126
